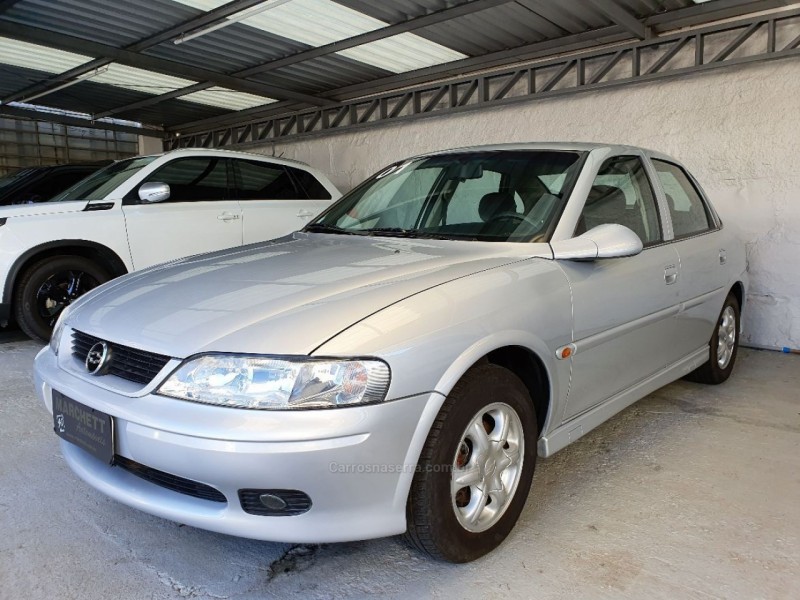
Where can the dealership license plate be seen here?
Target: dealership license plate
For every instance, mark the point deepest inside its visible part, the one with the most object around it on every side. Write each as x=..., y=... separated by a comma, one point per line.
x=83, y=426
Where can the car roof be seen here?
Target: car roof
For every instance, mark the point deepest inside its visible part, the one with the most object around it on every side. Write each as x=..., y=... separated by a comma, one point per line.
x=231, y=154
x=558, y=146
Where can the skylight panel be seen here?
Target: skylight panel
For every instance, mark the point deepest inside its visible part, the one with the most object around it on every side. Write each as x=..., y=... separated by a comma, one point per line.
x=226, y=98
x=320, y=22
x=140, y=80
x=403, y=52
x=39, y=58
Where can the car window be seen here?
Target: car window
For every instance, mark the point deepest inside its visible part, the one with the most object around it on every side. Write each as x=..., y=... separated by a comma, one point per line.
x=313, y=189
x=101, y=183
x=9, y=180
x=464, y=205
x=621, y=193
x=396, y=199
x=480, y=195
x=686, y=207
x=191, y=179
x=256, y=180
x=52, y=184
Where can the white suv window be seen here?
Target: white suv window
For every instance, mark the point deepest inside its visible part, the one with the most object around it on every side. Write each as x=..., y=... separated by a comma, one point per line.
x=192, y=179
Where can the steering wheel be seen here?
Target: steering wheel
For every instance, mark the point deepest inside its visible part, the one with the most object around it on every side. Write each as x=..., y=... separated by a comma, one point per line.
x=516, y=216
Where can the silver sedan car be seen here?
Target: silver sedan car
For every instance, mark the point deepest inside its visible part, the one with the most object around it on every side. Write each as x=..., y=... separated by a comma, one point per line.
x=399, y=364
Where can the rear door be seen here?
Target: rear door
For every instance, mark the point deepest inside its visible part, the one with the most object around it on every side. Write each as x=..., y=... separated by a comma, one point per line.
x=623, y=308
x=199, y=215
x=275, y=199
x=700, y=246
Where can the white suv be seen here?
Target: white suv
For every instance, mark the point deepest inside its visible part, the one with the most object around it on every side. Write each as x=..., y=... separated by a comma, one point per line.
x=142, y=211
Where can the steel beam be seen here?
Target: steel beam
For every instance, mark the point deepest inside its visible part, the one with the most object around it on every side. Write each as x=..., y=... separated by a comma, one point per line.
x=131, y=58
x=571, y=43
x=596, y=69
x=621, y=17
x=710, y=11
x=206, y=18
x=375, y=35
x=358, y=40
x=17, y=112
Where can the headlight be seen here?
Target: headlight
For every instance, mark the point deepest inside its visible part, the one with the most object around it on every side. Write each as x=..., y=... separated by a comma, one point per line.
x=55, y=337
x=262, y=382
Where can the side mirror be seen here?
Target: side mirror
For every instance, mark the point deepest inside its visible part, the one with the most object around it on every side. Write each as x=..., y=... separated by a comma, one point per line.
x=604, y=241
x=154, y=192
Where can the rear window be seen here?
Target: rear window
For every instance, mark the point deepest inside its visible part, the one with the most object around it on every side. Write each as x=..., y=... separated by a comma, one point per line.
x=309, y=184
x=687, y=209
x=256, y=180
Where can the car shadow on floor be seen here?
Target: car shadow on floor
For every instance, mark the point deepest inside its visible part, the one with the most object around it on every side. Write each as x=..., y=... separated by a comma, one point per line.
x=11, y=334
x=568, y=497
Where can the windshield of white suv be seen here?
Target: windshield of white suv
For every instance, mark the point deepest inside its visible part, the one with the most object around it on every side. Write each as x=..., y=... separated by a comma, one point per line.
x=98, y=185
x=9, y=180
x=506, y=196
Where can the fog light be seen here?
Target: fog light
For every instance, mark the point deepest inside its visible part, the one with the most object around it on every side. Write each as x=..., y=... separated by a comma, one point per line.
x=274, y=503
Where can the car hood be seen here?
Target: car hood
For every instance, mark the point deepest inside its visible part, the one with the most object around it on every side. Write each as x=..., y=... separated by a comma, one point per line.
x=283, y=297
x=41, y=208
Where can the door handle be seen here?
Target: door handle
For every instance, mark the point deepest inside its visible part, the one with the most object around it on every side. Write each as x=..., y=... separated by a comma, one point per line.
x=226, y=216
x=302, y=213
x=670, y=274
x=723, y=256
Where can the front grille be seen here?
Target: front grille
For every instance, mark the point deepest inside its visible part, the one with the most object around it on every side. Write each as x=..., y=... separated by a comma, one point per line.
x=296, y=502
x=169, y=481
x=128, y=363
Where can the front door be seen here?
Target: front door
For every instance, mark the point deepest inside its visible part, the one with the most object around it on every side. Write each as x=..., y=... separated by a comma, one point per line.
x=199, y=215
x=624, y=309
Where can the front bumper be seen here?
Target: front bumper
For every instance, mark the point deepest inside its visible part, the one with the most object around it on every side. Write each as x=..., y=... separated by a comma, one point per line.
x=355, y=463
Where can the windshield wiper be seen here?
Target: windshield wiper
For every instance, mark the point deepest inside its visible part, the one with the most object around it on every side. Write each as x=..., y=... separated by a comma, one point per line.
x=406, y=233
x=324, y=228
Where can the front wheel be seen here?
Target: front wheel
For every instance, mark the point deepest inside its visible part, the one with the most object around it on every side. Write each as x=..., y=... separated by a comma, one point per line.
x=723, y=347
x=48, y=286
x=476, y=467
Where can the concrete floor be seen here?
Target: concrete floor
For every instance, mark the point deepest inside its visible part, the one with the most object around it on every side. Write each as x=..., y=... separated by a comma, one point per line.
x=694, y=492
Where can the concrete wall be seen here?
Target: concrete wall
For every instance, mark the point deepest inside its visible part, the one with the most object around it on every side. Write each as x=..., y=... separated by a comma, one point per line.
x=150, y=145
x=737, y=129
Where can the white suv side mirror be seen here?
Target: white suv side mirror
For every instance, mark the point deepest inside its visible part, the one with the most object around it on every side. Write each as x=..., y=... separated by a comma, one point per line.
x=604, y=241
x=154, y=191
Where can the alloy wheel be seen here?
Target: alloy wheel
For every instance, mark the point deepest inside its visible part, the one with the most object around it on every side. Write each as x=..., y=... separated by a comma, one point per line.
x=487, y=467
x=726, y=337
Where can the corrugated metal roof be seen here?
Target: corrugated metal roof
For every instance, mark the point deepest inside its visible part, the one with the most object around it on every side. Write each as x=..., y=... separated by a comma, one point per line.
x=320, y=74
x=110, y=22
x=230, y=49
x=296, y=26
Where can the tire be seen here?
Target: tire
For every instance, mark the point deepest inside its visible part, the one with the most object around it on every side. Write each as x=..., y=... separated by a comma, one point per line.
x=437, y=516
x=722, y=349
x=47, y=286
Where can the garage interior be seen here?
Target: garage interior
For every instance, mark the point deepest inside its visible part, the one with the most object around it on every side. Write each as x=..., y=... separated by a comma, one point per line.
x=691, y=492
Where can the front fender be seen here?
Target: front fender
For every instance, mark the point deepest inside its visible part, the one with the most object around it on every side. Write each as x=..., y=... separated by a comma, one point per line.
x=432, y=338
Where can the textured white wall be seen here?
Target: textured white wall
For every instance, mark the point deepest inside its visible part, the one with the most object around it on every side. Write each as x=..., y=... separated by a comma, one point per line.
x=737, y=129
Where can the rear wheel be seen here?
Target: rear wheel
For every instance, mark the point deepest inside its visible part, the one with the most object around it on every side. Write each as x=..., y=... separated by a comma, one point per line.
x=723, y=347
x=48, y=286
x=476, y=467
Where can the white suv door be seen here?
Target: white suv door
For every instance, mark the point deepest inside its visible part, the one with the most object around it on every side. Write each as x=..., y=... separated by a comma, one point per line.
x=199, y=216
x=276, y=199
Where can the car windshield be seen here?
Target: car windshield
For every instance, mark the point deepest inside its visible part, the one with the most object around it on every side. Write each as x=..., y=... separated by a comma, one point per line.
x=98, y=185
x=488, y=196
x=10, y=180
